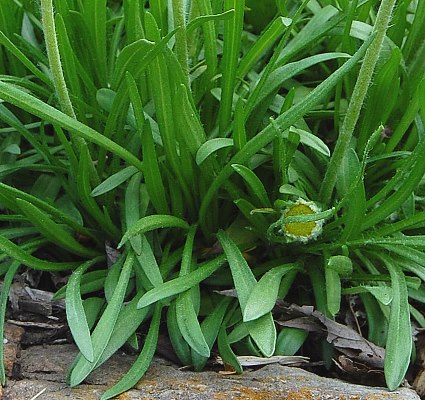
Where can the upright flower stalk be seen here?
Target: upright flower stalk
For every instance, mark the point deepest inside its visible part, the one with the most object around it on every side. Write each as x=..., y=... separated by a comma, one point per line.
x=53, y=55
x=359, y=93
x=181, y=38
x=50, y=38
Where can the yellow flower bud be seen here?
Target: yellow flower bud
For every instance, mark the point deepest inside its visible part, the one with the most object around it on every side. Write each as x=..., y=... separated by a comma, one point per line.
x=302, y=231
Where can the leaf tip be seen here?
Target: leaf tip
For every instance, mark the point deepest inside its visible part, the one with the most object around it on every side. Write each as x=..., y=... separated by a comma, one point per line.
x=121, y=243
x=248, y=315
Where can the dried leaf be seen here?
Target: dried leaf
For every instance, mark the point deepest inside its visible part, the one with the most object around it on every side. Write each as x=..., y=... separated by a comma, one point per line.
x=112, y=254
x=252, y=361
x=419, y=382
x=343, y=338
x=359, y=372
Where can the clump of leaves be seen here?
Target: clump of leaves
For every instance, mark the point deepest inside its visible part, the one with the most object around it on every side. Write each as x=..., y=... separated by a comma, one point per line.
x=215, y=154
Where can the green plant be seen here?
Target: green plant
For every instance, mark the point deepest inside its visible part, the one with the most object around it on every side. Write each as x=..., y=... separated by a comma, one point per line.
x=194, y=144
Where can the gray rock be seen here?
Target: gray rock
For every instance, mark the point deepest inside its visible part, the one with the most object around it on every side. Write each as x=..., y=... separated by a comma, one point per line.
x=43, y=371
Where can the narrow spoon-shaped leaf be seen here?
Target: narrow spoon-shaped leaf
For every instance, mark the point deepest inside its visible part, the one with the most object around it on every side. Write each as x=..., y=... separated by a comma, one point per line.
x=14, y=251
x=104, y=328
x=7, y=283
x=75, y=313
x=152, y=222
x=182, y=283
x=53, y=231
x=264, y=294
x=398, y=349
x=142, y=362
x=262, y=330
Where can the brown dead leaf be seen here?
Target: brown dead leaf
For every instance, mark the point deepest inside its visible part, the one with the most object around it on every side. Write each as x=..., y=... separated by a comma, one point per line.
x=343, y=338
x=26, y=299
x=112, y=254
x=419, y=382
x=253, y=361
x=359, y=372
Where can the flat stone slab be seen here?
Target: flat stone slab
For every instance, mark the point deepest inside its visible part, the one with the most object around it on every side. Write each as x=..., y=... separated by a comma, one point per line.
x=43, y=371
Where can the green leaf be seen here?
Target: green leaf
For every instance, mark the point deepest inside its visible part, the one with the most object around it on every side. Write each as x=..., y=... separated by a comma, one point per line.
x=90, y=204
x=383, y=294
x=381, y=98
x=54, y=232
x=95, y=14
x=12, y=148
x=129, y=319
x=309, y=217
x=292, y=190
x=76, y=315
x=323, y=20
x=180, y=345
x=5, y=41
x=141, y=365
x=399, y=342
x=416, y=258
x=262, y=330
x=132, y=209
x=162, y=80
x=310, y=140
x=264, y=294
x=13, y=194
x=7, y=283
x=239, y=131
x=210, y=328
x=289, y=341
x=243, y=277
x=341, y=264
x=150, y=223
x=131, y=58
x=15, y=252
x=112, y=277
x=254, y=185
x=284, y=121
x=256, y=219
x=333, y=290
x=182, y=283
x=148, y=263
x=31, y=104
x=104, y=328
x=188, y=324
x=92, y=307
x=376, y=320
x=231, y=45
x=114, y=181
x=238, y=333
x=90, y=282
x=70, y=62
x=136, y=57
x=199, y=21
x=66, y=205
x=262, y=44
x=287, y=71
x=226, y=352
x=210, y=42
x=407, y=178
x=210, y=147
x=153, y=178
x=186, y=314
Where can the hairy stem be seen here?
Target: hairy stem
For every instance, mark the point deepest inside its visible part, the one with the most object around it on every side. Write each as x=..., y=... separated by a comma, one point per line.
x=181, y=38
x=359, y=93
x=54, y=57
x=48, y=20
